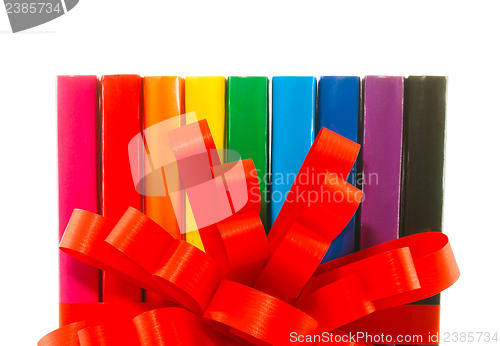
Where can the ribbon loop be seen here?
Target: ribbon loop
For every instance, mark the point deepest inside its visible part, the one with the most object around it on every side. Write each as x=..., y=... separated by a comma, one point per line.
x=246, y=313
x=141, y=239
x=301, y=249
x=175, y=326
x=330, y=152
x=110, y=333
x=351, y=291
x=245, y=245
x=84, y=239
x=188, y=275
x=413, y=268
x=64, y=336
x=293, y=263
x=238, y=243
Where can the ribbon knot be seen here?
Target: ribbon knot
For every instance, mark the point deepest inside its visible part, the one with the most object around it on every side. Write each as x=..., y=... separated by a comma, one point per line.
x=249, y=288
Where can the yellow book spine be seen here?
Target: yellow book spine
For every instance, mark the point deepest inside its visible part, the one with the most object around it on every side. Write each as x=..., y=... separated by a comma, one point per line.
x=206, y=96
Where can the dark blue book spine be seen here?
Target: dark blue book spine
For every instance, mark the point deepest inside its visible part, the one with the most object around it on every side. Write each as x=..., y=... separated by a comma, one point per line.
x=338, y=110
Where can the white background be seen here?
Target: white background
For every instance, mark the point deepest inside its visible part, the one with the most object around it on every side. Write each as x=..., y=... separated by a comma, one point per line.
x=248, y=38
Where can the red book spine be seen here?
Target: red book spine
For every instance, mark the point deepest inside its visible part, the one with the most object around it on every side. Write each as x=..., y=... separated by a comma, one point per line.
x=121, y=120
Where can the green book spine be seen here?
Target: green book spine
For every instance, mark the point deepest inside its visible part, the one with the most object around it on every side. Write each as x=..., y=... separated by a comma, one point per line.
x=248, y=128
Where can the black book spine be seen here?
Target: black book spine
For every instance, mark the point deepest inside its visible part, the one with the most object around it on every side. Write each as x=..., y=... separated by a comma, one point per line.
x=423, y=158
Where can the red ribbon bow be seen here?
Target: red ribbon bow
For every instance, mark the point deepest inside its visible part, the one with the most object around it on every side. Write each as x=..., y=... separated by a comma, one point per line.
x=248, y=288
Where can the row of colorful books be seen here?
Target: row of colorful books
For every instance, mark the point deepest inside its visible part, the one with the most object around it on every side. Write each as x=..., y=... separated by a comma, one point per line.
x=399, y=122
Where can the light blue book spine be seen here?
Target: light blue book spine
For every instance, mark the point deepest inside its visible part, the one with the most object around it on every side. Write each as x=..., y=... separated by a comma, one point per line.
x=293, y=132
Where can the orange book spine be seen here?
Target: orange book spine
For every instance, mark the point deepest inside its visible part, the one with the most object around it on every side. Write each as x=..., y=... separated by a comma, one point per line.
x=163, y=99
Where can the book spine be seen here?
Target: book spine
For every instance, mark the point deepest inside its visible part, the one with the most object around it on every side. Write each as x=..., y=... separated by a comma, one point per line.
x=121, y=120
x=338, y=110
x=206, y=96
x=163, y=99
x=77, y=123
x=381, y=159
x=248, y=129
x=423, y=154
x=423, y=160
x=293, y=132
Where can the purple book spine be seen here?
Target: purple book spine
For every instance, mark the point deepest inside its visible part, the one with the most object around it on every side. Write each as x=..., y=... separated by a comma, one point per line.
x=381, y=159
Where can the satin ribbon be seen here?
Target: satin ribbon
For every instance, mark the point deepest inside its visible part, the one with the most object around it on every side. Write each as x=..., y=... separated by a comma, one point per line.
x=251, y=289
